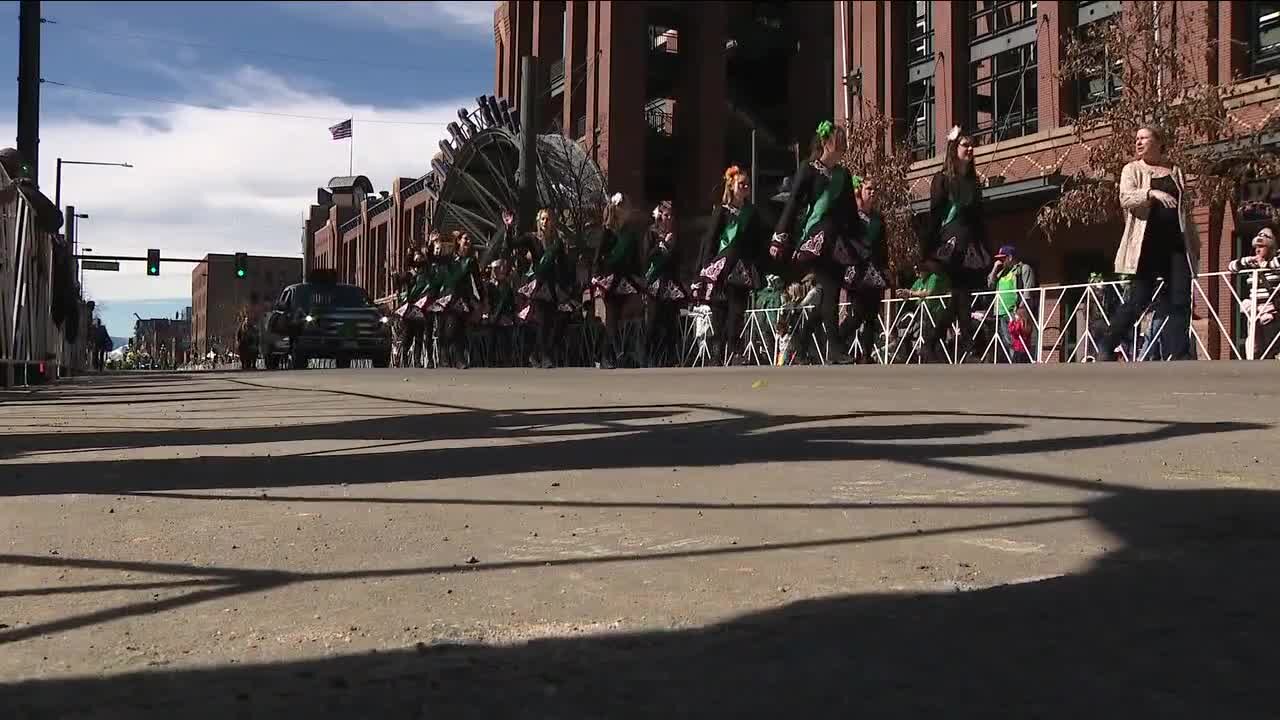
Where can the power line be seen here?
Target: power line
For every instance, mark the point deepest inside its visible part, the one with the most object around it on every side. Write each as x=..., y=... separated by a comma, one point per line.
x=345, y=62
x=328, y=118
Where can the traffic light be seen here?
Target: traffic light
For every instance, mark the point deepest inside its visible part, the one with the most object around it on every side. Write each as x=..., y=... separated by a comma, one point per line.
x=242, y=265
x=153, y=262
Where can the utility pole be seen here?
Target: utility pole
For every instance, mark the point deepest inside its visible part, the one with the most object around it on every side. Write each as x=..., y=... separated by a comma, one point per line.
x=527, y=181
x=29, y=85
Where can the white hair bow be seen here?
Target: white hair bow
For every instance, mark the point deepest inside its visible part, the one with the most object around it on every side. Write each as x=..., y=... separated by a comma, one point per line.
x=954, y=134
x=616, y=199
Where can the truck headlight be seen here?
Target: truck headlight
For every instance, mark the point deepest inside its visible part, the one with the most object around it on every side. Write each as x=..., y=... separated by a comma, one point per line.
x=384, y=319
x=309, y=318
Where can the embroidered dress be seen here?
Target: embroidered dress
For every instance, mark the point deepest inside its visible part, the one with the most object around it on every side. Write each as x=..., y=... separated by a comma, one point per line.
x=736, y=235
x=459, y=289
x=822, y=207
x=660, y=276
x=544, y=288
x=616, y=264
x=957, y=237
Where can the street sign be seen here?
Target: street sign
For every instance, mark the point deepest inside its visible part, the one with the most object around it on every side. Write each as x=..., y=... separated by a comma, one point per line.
x=111, y=265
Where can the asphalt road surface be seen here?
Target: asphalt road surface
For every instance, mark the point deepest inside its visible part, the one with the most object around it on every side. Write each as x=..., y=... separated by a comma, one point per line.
x=1056, y=542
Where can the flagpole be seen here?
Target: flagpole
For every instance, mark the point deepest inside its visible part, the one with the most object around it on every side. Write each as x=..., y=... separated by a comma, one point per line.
x=351, y=149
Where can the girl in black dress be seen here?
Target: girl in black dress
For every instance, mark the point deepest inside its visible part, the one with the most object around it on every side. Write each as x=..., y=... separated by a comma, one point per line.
x=822, y=213
x=662, y=319
x=545, y=292
x=459, y=295
x=870, y=280
x=732, y=249
x=957, y=239
x=616, y=278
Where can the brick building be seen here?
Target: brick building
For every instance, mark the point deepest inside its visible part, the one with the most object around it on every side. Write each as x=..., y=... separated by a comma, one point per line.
x=665, y=95
x=167, y=341
x=218, y=296
x=364, y=235
x=992, y=68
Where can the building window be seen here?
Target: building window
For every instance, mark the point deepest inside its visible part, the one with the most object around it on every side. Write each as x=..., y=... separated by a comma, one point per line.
x=920, y=131
x=1104, y=81
x=1264, y=37
x=993, y=17
x=920, y=70
x=1004, y=95
x=920, y=32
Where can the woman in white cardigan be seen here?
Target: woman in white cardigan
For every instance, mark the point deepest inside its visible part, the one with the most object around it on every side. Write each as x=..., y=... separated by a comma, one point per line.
x=1160, y=241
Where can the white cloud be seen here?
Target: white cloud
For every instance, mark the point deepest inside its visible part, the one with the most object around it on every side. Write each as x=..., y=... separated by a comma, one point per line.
x=218, y=181
x=476, y=16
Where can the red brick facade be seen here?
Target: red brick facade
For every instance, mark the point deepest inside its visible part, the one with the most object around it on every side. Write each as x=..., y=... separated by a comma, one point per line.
x=1220, y=28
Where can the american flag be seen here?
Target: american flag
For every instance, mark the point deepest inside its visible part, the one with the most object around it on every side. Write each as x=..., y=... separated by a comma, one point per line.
x=341, y=131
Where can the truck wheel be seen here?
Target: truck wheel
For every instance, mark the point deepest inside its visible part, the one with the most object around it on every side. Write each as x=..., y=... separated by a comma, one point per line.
x=383, y=361
x=271, y=362
x=342, y=363
x=297, y=360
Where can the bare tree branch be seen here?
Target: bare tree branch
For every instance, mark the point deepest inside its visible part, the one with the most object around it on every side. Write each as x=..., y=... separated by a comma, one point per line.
x=1161, y=87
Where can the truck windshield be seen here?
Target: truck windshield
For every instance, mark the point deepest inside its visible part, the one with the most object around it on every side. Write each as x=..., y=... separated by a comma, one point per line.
x=335, y=296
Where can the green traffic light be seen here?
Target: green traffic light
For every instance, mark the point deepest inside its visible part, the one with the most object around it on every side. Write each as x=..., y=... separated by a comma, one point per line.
x=239, y=273
x=153, y=270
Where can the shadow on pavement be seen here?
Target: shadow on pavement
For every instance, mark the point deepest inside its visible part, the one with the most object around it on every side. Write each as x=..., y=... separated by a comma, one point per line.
x=1177, y=622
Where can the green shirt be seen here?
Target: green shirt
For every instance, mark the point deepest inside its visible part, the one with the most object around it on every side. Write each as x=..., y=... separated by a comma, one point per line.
x=1007, y=292
x=933, y=284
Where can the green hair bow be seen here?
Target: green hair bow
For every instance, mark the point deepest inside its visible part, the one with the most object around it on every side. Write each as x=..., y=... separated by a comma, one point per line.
x=855, y=181
x=825, y=128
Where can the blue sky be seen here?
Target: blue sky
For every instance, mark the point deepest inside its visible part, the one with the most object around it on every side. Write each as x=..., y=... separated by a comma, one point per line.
x=215, y=181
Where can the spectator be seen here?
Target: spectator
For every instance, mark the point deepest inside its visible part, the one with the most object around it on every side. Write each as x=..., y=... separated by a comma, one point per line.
x=1263, y=267
x=1160, y=240
x=1009, y=277
x=101, y=345
x=931, y=282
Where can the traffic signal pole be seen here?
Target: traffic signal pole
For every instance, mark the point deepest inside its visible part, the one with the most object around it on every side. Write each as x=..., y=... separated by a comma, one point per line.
x=136, y=258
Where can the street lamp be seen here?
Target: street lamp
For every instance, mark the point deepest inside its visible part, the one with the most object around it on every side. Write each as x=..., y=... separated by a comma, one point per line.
x=57, y=186
x=76, y=218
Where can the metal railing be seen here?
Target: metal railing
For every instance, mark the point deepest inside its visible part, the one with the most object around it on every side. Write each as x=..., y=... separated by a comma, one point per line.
x=31, y=342
x=1067, y=323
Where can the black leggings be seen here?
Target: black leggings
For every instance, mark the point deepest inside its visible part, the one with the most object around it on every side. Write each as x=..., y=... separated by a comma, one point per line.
x=958, y=311
x=453, y=337
x=550, y=329
x=412, y=332
x=611, y=346
x=826, y=316
x=662, y=330
x=729, y=317
x=864, y=311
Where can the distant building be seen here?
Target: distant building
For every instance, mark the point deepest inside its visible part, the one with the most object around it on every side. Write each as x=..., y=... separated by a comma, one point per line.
x=166, y=341
x=364, y=235
x=218, y=297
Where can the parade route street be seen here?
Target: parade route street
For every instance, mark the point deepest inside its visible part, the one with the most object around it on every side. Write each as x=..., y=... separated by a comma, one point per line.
x=975, y=541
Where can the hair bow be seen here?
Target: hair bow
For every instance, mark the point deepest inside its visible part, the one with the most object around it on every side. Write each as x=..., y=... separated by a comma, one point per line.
x=825, y=128
x=855, y=181
x=616, y=199
x=954, y=134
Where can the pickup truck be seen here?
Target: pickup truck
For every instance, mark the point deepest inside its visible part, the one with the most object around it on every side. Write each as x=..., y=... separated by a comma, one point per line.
x=325, y=320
